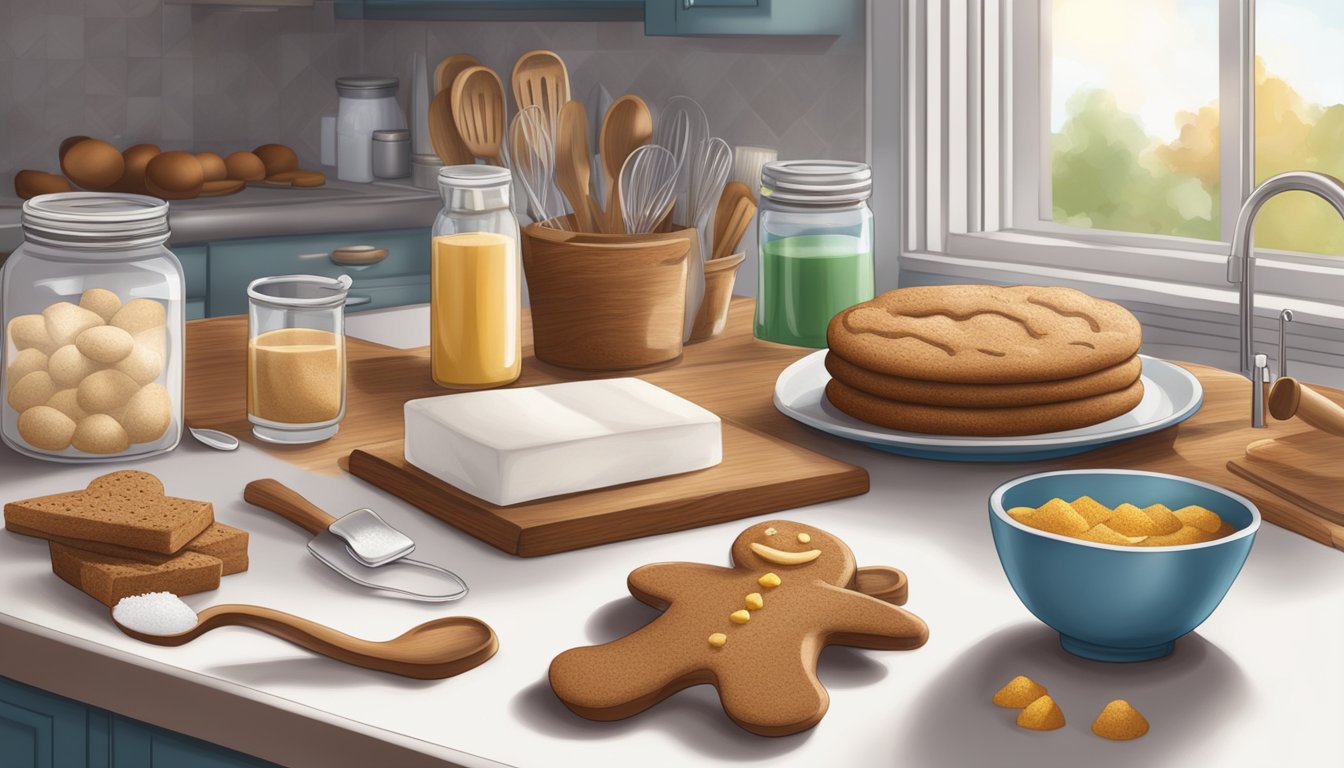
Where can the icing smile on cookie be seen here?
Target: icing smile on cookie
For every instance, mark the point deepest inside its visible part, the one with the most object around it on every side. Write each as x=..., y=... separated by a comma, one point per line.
x=780, y=557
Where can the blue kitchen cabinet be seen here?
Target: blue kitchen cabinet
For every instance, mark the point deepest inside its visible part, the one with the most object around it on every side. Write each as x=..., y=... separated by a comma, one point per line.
x=491, y=10
x=753, y=17
x=229, y=265
x=43, y=730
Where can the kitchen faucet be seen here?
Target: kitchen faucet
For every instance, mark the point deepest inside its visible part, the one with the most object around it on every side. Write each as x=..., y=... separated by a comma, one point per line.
x=1241, y=265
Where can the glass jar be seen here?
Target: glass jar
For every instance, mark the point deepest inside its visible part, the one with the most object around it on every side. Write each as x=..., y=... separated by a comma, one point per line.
x=475, y=304
x=93, y=311
x=815, y=235
x=296, y=357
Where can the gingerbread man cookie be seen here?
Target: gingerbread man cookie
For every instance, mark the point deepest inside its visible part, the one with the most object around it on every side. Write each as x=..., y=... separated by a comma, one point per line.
x=754, y=631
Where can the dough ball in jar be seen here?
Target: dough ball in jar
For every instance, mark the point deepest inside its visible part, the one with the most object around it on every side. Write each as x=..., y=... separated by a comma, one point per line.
x=106, y=344
x=46, y=428
x=102, y=302
x=101, y=434
x=68, y=366
x=65, y=321
x=24, y=363
x=148, y=414
x=34, y=389
x=138, y=315
x=106, y=391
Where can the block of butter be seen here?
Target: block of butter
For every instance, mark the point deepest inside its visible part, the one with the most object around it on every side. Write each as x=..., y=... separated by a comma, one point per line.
x=509, y=446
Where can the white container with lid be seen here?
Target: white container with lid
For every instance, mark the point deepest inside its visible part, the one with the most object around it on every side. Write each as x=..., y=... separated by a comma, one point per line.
x=92, y=361
x=367, y=104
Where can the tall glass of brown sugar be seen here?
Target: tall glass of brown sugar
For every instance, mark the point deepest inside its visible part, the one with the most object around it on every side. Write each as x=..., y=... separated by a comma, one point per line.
x=296, y=357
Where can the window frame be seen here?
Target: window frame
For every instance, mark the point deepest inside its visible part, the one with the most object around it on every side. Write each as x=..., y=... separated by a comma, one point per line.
x=963, y=194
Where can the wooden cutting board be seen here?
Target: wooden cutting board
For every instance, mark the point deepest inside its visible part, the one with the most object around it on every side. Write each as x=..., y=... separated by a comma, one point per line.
x=759, y=475
x=1306, y=469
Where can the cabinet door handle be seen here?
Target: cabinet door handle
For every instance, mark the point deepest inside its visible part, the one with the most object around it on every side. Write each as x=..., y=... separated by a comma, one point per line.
x=358, y=255
x=355, y=301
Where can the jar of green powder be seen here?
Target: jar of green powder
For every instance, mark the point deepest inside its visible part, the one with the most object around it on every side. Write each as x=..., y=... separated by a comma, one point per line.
x=816, y=247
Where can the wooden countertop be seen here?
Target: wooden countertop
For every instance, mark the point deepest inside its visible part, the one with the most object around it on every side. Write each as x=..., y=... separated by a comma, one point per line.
x=732, y=375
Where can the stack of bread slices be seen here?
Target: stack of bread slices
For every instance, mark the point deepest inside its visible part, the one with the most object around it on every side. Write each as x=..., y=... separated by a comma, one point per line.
x=122, y=536
x=984, y=360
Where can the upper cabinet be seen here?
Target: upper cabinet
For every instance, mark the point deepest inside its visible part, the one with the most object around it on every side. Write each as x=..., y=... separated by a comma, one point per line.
x=492, y=10
x=661, y=17
x=752, y=17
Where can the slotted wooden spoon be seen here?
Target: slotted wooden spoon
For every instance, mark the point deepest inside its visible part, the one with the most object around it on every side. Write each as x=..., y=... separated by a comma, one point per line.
x=448, y=144
x=448, y=70
x=436, y=649
x=478, y=112
x=540, y=79
x=573, y=171
x=627, y=126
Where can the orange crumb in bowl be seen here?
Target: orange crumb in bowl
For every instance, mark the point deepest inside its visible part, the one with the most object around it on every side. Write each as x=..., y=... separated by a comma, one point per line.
x=1104, y=534
x=1092, y=510
x=1043, y=714
x=1119, y=721
x=1019, y=692
x=1132, y=521
x=1057, y=516
x=1164, y=522
x=1201, y=518
x=1187, y=534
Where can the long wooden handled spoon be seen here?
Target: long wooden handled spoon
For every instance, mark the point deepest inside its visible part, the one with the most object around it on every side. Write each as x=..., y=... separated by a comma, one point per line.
x=573, y=171
x=627, y=126
x=433, y=650
x=478, y=111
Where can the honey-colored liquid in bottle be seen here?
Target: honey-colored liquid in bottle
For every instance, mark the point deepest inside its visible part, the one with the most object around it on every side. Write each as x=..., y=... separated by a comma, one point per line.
x=474, y=311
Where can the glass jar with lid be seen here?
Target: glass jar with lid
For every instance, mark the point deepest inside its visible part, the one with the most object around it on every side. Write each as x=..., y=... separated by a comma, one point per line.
x=366, y=104
x=93, y=312
x=815, y=235
x=475, y=302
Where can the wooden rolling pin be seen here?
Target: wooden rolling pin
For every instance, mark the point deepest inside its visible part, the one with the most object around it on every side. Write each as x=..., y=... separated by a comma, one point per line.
x=1289, y=398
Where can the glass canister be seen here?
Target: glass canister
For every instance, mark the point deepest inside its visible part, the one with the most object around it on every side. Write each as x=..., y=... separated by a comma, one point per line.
x=296, y=357
x=475, y=304
x=93, y=312
x=815, y=235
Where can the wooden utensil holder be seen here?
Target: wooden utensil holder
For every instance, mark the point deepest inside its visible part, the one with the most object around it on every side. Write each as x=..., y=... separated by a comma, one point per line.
x=720, y=276
x=610, y=305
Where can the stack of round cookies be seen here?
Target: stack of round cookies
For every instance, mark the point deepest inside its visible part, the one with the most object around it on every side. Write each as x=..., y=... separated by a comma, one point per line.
x=984, y=360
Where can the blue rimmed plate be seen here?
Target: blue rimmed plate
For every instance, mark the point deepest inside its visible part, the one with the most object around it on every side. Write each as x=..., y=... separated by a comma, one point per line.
x=1171, y=395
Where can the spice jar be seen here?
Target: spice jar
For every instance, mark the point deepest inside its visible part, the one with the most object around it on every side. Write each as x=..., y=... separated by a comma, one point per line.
x=392, y=153
x=815, y=235
x=93, y=318
x=296, y=357
x=475, y=304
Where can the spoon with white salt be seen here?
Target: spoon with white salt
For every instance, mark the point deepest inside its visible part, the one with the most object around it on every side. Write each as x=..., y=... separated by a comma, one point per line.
x=436, y=649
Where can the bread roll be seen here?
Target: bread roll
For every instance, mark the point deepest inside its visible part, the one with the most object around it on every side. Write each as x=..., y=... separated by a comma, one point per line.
x=100, y=301
x=104, y=391
x=138, y=315
x=147, y=414
x=100, y=434
x=46, y=428
x=65, y=321
x=105, y=344
x=68, y=366
x=34, y=389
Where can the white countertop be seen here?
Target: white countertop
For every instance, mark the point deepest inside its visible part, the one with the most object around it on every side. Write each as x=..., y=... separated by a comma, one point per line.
x=1257, y=684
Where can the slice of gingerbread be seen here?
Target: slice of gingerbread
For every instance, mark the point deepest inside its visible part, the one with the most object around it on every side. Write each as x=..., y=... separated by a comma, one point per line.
x=753, y=631
x=109, y=579
x=126, y=508
x=225, y=542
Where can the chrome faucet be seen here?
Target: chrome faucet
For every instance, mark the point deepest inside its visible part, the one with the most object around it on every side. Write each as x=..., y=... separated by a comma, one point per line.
x=1241, y=262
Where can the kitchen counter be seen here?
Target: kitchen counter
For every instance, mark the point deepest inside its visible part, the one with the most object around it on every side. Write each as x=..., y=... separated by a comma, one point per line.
x=258, y=211
x=1258, y=666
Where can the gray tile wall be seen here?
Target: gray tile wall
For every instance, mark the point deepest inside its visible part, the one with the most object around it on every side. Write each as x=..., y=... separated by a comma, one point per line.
x=211, y=78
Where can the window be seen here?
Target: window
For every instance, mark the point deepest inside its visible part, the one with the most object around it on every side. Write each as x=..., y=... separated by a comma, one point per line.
x=1100, y=143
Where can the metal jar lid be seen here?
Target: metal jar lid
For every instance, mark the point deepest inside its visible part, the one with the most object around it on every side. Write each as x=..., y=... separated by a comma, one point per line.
x=474, y=188
x=367, y=87
x=816, y=182
x=392, y=134
x=300, y=291
x=95, y=220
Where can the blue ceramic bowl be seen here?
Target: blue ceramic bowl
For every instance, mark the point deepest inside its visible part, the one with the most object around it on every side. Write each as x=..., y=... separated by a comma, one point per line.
x=1114, y=603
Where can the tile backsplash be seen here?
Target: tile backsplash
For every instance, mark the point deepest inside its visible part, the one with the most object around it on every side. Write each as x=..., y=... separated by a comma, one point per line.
x=220, y=79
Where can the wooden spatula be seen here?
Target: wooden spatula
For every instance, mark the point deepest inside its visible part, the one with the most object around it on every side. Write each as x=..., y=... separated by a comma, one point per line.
x=478, y=111
x=448, y=70
x=540, y=79
x=572, y=162
x=733, y=191
x=448, y=144
x=627, y=126
x=725, y=243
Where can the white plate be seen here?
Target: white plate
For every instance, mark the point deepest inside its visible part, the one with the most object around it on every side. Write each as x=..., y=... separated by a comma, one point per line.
x=1171, y=395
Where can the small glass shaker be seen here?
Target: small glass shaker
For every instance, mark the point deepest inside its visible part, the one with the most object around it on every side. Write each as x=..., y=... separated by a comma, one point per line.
x=296, y=357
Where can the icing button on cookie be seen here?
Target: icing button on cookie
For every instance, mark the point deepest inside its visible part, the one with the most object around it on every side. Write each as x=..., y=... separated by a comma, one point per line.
x=755, y=601
x=739, y=617
x=804, y=538
x=718, y=639
x=769, y=580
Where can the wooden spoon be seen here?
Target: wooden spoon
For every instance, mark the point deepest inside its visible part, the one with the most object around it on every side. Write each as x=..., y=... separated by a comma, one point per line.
x=572, y=162
x=448, y=144
x=448, y=70
x=478, y=111
x=733, y=191
x=436, y=649
x=541, y=79
x=627, y=126
x=725, y=243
